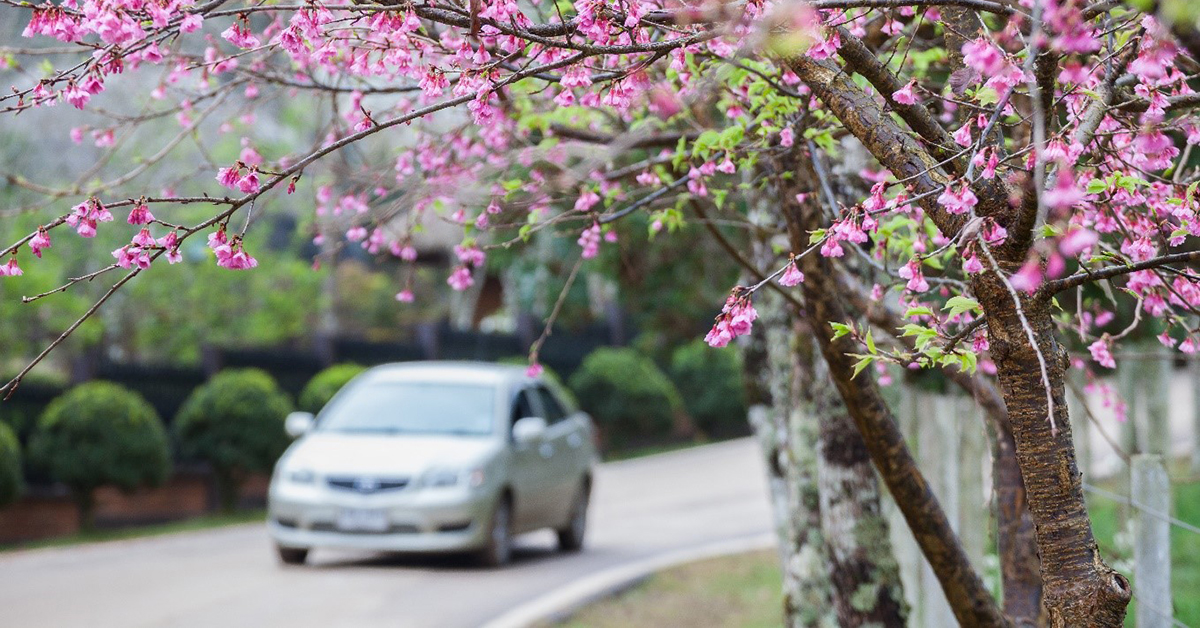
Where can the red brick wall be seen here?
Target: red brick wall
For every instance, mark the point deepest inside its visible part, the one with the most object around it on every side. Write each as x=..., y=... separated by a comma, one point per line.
x=184, y=496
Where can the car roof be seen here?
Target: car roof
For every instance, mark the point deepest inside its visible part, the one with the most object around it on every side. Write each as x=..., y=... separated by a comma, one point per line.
x=448, y=372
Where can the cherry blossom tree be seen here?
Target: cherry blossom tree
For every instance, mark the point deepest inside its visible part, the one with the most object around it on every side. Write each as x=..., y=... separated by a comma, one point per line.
x=974, y=186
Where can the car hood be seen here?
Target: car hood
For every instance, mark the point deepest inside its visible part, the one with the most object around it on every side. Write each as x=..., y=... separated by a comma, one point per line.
x=385, y=455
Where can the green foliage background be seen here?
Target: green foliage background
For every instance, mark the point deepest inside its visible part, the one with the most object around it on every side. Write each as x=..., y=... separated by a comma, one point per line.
x=632, y=401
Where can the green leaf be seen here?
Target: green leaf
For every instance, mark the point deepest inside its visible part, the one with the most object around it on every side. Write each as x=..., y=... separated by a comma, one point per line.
x=968, y=361
x=959, y=304
x=839, y=330
x=1096, y=186
x=719, y=197
x=871, y=343
x=920, y=310
x=863, y=362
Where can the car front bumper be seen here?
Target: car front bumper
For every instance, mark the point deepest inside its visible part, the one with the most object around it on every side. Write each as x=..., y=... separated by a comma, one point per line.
x=417, y=521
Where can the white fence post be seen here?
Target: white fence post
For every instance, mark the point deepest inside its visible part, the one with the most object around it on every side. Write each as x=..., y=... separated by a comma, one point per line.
x=1195, y=373
x=1151, y=504
x=1156, y=373
x=1080, y=428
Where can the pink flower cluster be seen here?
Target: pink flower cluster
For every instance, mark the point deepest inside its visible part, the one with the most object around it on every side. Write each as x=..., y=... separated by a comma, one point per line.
x=469, y=256
x=958, y=201
x=11, y=269
x=791, y=275
x=232, y=178
x=590, y=241
x=41, y=240
x=735, y=319
x=916, y=279
x=86, y=215
x=231, y=253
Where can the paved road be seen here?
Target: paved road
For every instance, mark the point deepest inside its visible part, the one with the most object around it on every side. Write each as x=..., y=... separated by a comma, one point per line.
x=229, y=578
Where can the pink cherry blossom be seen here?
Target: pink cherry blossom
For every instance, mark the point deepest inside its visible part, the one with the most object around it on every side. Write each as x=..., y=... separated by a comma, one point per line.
x=958, y=201
x=1028, y=278
x=39, y=241
x=1077, y=240
x=140, y=215
x=792, y=275
x=905, y=95
x=963, y=135
x=916, y=279
x=461, y=279
x=1102, y=353
x=982, y=56
x=11, y=269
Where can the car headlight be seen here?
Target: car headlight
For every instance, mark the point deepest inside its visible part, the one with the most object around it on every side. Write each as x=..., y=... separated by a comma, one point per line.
x=440, y=478
x=299, y=476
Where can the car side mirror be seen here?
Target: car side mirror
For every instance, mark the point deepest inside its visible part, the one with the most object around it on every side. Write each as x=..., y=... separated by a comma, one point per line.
x=298, y=424
x=529, y=429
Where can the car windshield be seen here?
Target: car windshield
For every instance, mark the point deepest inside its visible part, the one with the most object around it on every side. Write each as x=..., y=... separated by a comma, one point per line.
x=412, y=408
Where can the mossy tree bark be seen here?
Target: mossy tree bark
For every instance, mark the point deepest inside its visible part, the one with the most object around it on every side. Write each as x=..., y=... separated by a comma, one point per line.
x=866, y=578
x=789, y=440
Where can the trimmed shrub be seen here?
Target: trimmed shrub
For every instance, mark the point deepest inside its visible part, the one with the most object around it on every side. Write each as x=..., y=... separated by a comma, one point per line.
x=633, y=402
x=324, y=385
x=710, y=382
x=234, y=423
x=98, y=434
x=10, y=466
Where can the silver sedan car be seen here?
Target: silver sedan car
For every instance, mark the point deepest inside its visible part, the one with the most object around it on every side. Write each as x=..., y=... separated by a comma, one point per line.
x=434, y=457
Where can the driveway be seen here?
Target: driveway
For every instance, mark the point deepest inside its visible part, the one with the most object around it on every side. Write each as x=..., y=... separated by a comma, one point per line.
x=642, y=509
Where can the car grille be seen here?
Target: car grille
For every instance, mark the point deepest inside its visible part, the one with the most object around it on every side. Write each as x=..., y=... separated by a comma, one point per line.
x=321, y=526
x=366, y=485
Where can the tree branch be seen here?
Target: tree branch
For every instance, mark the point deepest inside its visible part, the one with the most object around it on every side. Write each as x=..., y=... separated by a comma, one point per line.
x=1088, y=276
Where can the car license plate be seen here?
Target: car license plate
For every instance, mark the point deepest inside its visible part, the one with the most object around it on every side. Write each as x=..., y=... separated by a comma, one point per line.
x=362, y=520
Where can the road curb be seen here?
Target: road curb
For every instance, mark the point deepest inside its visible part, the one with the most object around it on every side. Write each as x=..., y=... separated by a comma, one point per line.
x=560, y=603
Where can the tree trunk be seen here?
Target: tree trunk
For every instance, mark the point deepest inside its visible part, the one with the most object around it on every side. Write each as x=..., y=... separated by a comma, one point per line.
x=1079, y=589
x=1020, y=570
x=969, y=599
x=865, y=575
x=788, y=438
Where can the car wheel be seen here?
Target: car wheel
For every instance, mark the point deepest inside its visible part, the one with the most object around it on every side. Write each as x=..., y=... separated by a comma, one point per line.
x=292, y=555
x=570, y=538
x=498, y=550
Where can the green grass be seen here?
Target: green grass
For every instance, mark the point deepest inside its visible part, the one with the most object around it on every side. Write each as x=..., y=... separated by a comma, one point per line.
x=1107, y=521
x=188, y=525
x=740, y=591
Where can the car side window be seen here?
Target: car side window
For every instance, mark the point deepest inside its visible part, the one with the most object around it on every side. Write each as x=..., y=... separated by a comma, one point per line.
x=522, y=407
x=550, y=405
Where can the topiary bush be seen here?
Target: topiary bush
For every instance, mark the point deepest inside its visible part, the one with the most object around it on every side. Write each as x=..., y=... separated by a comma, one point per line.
x=10, y=466
x=710, y=382
x=324, y=385
x=235, y=423
x=98, y=434
x=631, y=399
